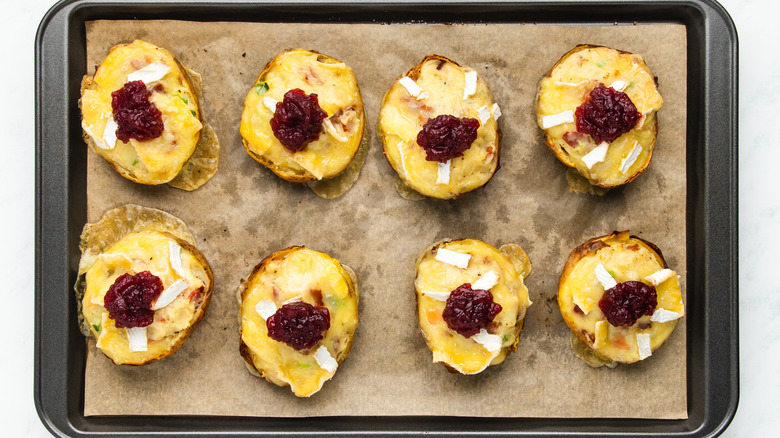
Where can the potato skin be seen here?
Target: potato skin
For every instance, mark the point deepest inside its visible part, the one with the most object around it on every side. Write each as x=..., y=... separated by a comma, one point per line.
x=605, y=178
x=646, y=257
x=490, y=133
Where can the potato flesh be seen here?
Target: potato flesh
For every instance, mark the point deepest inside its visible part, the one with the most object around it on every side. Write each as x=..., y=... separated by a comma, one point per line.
x=402, y=116
x=158, y=160
x=138, y=252
x=291, y=276
x=461, y=353
x=336, y=89
x=567, y=87
x=629, y=260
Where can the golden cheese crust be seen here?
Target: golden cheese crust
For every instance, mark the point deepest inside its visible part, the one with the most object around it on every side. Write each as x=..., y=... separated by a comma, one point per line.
x=174, y=94
x=625, y=258
x=402, y=117
x=567, y=86
x=297, y=274
x=434, y=281
x=111, y=250
x=337, y=94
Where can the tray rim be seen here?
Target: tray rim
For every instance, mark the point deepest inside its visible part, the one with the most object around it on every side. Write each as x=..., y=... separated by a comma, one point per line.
x=712, y=223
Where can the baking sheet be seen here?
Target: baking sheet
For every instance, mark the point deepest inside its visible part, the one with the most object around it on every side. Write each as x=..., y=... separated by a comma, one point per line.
x=246, y=212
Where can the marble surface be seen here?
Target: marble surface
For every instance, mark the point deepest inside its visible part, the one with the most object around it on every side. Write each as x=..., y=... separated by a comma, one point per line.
x=759, y=212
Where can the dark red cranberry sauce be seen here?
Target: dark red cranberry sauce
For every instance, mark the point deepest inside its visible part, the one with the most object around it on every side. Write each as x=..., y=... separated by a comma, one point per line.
x=135, y=115
x=129, y=300
x=606, y=114
x=446, y=137
x=468, y=310
x=297, y=120
x=625, y=303
x=299, y=325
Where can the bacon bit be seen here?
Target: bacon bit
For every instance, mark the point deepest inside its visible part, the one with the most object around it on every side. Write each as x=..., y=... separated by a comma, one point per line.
x=441, y=64
x=276, y=292
x=433, y=316
x=310, y=76
x=619, y=341
x=644, y=325
x=492, y=328
x=582, y=61
x=316, y=294
x=490, y=150
x=195, y=294
x=633, y=247
x=588, y=335
x=579, y=311
x=158, y=88
x=574, y=138
x=140, y=63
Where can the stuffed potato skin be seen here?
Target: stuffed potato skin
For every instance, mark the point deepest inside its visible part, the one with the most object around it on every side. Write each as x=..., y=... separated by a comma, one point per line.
x=568, y=85
x=403, y=115
x=297, y=274
x=338, y=95
x=434, y=280
x=145, y=246
x=625, y=258
x=158, y=160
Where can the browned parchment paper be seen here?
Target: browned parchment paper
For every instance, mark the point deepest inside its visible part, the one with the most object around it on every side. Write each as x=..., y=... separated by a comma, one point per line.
x=245, y=212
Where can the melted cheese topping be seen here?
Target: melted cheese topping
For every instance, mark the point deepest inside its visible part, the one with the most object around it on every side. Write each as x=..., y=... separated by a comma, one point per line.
x=311, y=276
x=338, y=95
x=629, y=260
x=158, y=160
x=138, y=252
x=467, y=355
x=402, y=117
x=567, y=87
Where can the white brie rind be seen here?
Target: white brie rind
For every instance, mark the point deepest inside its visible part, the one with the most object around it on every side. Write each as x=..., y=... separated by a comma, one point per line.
x=663, y=315
x=109, y=134
x=643, y=342
x=325, y=360
x=99, y=142
x=410, y=85
x=471, y=84
x=619, y=85
x=486, y=281
x=265, y=309
x=443, y=176
x=496, y=111
x=328, y=125
x=170, y=293
x=597, y=155
x=604, y=277
x=453, y=258
x=136, y=336
x=627, y=162
x=174, y=254
x=440, y=296
x=484, y=114
x=491, y=343
x=659, y=277
x=270, y=103
x=149, y=74
x=557, y=119
x=423, y=95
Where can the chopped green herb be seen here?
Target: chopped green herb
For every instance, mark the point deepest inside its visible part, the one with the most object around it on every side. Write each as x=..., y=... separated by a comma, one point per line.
x=304, y=365
x=332, y=302
x=261, y=88
x=612, y=273
x=182, y=98
x=506, y=338
x=96, y=327
x=134, y=162
x=194, y=114
x=601, y=64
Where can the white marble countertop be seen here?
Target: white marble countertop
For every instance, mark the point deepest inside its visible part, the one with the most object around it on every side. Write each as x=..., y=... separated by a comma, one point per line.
x=759, y=213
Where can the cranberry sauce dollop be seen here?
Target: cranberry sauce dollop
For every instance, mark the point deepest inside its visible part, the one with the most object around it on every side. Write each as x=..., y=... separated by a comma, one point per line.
x=299, y=325
x=625, y=303
x=136, y=117
x=469, y=310
x=446, y=137
x=606, y=114
x=298, y=120
x=129, y=300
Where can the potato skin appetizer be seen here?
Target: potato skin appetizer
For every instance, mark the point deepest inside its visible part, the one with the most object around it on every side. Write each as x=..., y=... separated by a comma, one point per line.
x=141, y=113
x=335, y=142
x=593, y=274
x=434, y=88
x=297, y=277
x=136, y=242
x=496, y=272
x=569, y=100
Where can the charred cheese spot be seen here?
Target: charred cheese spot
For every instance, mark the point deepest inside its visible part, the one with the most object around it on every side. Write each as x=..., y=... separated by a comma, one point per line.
x=566, y=87
x=298, y=273
x=626, y=258
x=402, y=116
x=466, y=355
x=154, y=161
x=338, y=95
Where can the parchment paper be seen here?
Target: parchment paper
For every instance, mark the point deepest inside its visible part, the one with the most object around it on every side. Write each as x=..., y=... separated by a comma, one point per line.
x=245, y=212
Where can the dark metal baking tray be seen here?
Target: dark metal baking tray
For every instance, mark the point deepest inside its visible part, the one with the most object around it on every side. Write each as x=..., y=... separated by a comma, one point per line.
x=712, y=348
